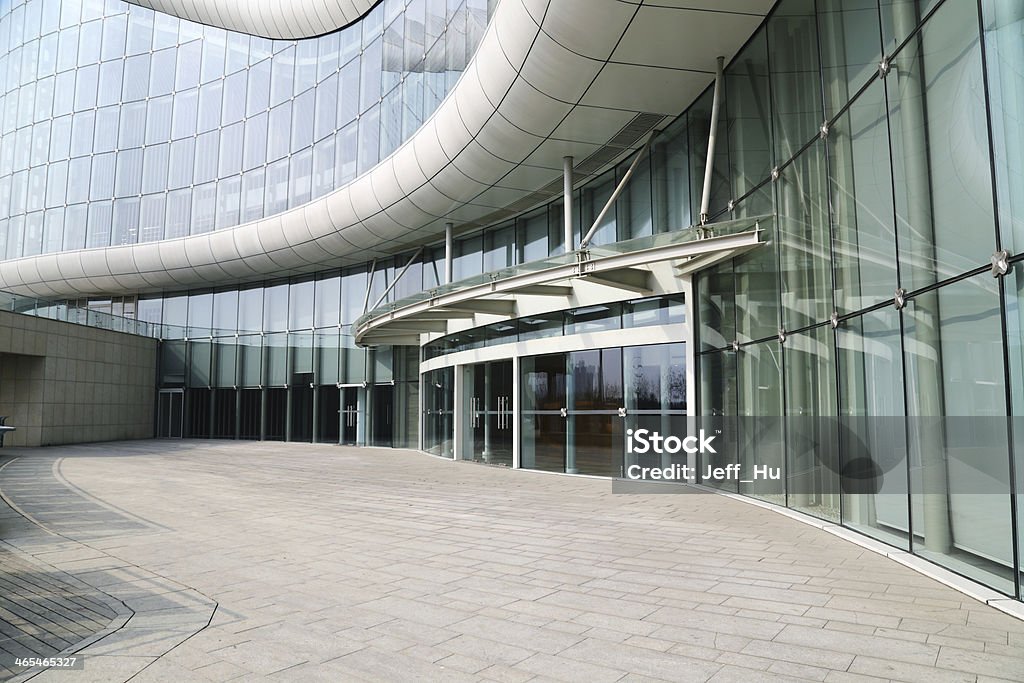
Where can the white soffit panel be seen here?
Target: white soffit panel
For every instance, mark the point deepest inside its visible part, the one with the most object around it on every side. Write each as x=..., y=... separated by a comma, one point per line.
x=593, y=102
x=283, y=19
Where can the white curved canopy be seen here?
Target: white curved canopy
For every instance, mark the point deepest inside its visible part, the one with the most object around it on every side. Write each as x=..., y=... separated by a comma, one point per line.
x=288, y=19
x=586, y=78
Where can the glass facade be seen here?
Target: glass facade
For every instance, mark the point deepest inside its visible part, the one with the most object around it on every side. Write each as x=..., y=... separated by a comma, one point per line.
x=874, y=333
x=120, y=125
x=876, y=309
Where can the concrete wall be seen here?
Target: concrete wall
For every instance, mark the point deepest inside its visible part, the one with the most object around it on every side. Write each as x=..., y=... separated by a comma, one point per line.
x=66, y=383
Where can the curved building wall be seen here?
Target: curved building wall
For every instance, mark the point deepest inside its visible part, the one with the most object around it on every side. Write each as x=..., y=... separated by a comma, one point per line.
x=124, y=125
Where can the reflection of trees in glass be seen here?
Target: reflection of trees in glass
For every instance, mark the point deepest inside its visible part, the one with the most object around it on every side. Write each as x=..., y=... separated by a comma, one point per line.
x=677, y=387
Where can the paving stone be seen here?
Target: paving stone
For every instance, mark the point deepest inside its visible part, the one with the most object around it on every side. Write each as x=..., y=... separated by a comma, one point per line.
x=799, y=654
x=903, y=671
x=315, y=566
x=853, y=643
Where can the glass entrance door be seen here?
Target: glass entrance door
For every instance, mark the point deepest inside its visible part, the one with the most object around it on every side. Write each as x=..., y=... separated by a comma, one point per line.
x=382, y=417
x=544, y=412
x=438, y=413
x=349, y=416
x=573, y=410
x=170, y=413
x=595, y=432
x=490, y=413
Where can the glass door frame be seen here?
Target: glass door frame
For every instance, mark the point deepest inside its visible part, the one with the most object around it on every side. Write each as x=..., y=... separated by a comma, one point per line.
x=493, y=412
x=172, y=396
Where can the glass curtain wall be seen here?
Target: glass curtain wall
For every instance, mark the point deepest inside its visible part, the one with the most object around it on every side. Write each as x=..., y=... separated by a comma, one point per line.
x=119, y=124
x=873, y=326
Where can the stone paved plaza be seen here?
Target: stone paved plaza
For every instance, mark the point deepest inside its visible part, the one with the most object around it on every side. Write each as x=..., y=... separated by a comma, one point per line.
x=213, y=561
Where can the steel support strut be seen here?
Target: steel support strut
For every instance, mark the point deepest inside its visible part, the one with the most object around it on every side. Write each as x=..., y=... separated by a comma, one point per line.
x=709, y=165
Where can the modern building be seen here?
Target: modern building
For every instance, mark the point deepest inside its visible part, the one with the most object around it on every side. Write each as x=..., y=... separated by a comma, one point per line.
x=512, y=231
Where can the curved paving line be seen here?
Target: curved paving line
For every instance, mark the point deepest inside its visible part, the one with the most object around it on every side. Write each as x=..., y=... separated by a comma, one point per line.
x=52, y=523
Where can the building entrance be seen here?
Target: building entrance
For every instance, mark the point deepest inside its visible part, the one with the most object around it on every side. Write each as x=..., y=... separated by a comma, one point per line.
x=489, y=407
x=577, y=406
x=170, y=413
x=382, y=421
x=350, y=416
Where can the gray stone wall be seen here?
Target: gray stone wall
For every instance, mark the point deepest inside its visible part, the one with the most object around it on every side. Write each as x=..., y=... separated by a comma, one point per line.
x=64, y=383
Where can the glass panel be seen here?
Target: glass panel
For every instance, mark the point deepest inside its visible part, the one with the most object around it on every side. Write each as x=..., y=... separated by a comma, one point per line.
x=536, y=327
x=634, y=204
x=300, y=349
x=100, y=215
x=655, y=378
x=594, y=319
x=595, y=196
x=152, y=210
x=1004, y=54
x=438, y=410
x=225, y=312
x=812, y=463
x=758, y=291
x=663, y=310
x=326, y=107
x=532, y=238
x=300, y=306
x=230, y=150
x=805, y=241
x=943, y=191
x=795, y=78
x=154, y=168
x=468, y=259
x=369, y=138
x=328, y=301
x=872, y=429
x=543, y=387
x=300, y=178
x=228, y=195
x=250, y=357
x=275, y=307
x=851, y=48
x=323, y=167
x=862, y=209
x=186, y=109
x=959, y=454
x=126, y=221
x=275, y=359
x=250, y=310
x=199, y=363
x=179, y=212
x=749, y=126
x=717, y=301
x=370, y=81
x=596, y=435
x=255, y=150
x=759, y=405
x=302, y=121
x=204, y=208
x=252, y=195
x=672, y=181
x=327, y=344
x=200, y=314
